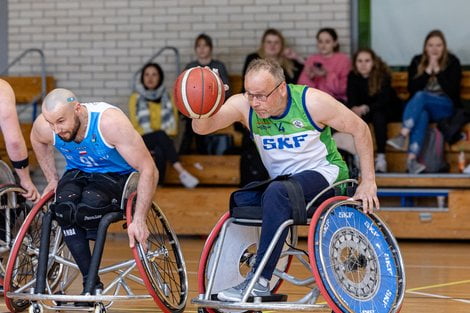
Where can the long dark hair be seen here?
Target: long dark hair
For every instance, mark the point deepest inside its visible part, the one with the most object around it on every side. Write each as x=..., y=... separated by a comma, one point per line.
x=378, y=72
x=159, y=70
x=332, y=33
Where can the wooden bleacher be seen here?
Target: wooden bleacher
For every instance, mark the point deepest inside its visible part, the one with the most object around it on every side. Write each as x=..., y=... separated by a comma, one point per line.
x=27, y=89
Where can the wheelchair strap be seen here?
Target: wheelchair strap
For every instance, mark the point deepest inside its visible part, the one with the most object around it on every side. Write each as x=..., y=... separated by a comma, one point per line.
x=297, y=200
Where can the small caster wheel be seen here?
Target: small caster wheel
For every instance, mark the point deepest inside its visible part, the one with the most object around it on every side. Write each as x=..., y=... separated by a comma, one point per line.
x=35, y=308
x=99, y=308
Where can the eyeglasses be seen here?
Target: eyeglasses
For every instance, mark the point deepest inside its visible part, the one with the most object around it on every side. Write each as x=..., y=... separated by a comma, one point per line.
x=262, y=98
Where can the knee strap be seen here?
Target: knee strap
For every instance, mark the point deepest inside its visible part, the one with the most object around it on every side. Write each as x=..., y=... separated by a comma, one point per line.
x=64, y=213
x=89, y=217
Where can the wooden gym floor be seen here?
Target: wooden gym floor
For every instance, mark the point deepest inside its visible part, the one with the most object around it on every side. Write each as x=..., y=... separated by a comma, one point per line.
x=438, y=275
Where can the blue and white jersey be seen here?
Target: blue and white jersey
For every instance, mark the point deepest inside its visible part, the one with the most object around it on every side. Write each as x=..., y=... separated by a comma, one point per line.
x=93, y=154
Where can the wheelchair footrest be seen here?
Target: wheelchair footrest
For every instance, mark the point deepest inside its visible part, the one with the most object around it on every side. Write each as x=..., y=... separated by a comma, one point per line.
x=275, y=297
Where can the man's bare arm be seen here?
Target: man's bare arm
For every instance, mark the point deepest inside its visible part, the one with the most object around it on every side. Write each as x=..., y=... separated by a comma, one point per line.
x=325, y=110
x=235, y=109
x=119, y=132
x=41, y=140
x=13, y=137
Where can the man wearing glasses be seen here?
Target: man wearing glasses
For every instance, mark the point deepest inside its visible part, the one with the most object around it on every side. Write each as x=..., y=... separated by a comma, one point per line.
x=290, y=125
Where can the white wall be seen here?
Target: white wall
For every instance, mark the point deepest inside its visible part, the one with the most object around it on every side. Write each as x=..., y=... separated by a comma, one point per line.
x=94, y=46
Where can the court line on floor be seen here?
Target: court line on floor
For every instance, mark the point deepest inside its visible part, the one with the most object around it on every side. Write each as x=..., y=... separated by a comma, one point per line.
x=438, y=296
x=440, y=285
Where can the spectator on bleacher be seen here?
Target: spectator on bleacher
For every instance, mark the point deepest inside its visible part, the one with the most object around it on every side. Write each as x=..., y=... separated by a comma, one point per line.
x=153, y=115
x=14, y=141
x=212, y=144
x=371, y=96
x=273, y=46
x=434, y=85
x=328, y=69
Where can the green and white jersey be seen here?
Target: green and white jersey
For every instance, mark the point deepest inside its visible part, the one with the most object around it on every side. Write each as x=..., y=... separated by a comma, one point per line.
x=292, y=142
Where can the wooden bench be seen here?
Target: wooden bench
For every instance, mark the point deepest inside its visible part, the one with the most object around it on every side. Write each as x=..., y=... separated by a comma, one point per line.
x=28, y=88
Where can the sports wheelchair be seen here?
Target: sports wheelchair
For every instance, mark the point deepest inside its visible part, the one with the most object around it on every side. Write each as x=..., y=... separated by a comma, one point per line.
x=41, y=273
x=354, y=258
x=13, y=210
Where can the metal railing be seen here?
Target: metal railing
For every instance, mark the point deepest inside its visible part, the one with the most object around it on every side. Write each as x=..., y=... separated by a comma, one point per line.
x=34, y=102
x=177, y=56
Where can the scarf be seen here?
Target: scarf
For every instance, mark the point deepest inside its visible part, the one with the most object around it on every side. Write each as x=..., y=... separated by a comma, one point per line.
x=159, y=95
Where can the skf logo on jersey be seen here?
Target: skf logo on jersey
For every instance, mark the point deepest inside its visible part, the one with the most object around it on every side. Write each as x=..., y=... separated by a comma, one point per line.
x=298, y=123
x=282, y=143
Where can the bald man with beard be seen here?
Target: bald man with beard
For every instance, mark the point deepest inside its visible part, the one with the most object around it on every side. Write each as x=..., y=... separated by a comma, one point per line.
x=101, y=149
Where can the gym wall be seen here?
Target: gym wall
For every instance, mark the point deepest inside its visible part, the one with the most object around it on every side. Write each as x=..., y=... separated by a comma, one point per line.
x=94, y=47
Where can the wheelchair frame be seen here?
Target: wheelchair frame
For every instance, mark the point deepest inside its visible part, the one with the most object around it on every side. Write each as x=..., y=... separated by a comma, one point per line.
x=320, y=283
x=56, y=269
x=9, y=207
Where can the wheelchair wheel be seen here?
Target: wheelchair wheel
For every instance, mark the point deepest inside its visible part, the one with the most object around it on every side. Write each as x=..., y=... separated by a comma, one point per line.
x=355, y=259
x=162, y=268
x=13, y=211
x=237, y=256
x=20, y=274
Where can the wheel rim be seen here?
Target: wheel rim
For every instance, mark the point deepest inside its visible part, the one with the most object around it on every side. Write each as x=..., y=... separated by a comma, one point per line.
x=355, y=272
x=162, y=268
x=21, y=266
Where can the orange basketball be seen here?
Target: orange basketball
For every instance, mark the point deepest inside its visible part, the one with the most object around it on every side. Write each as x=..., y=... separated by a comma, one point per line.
x=199, y=92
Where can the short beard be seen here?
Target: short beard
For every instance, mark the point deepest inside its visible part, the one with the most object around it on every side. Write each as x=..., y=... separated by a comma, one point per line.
x=74, y=132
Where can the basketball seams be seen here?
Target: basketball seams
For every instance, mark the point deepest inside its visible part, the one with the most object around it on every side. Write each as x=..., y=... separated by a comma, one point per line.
x=184, y=94
x=220, y=88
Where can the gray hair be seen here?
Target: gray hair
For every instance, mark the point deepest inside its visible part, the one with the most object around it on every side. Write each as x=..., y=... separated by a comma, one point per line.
x=273, y=67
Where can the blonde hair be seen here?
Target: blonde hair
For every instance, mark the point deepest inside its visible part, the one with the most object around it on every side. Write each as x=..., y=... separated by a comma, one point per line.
x=424, y=62
x=284, y=62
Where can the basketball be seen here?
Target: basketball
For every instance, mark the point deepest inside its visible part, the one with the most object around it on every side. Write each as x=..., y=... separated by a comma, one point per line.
x=199, y=92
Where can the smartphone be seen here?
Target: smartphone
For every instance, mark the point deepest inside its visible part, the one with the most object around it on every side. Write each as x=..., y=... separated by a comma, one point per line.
x=318, y=65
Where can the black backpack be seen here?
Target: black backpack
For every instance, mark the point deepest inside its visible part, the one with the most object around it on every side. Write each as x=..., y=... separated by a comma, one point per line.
x=432, y=154
x=451, y=126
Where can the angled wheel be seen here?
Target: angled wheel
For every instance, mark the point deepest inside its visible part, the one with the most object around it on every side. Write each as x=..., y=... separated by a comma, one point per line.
x=162, y=268
x=237, y=258
x=20, y=274
x=355, y=259
x=13, y=211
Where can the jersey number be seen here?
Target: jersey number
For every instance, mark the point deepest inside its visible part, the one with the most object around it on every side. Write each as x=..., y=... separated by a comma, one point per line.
x=88, y=161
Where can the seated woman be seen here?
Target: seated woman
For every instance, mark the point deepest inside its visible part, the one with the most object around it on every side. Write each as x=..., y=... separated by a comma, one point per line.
x=328, y=69
x=273, y=46
x=208, y=144
x=371, y=96
x=153, y=115
x=434, y=85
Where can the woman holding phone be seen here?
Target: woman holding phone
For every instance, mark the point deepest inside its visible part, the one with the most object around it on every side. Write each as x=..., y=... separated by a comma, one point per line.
x=328, y=69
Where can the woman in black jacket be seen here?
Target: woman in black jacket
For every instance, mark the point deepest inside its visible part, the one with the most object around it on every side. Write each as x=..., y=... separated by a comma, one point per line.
x=434, y=86
x=371, y=96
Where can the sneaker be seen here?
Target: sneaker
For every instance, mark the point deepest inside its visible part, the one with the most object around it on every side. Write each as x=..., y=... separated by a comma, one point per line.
x=397, y=142
x=235, y=294
x=380, y=163
x=188, y=180
x=414, y=167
